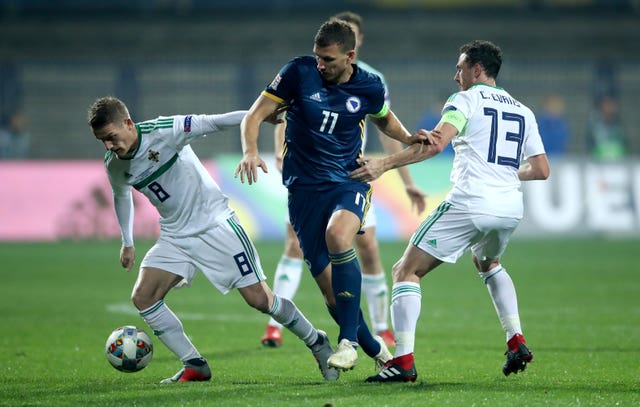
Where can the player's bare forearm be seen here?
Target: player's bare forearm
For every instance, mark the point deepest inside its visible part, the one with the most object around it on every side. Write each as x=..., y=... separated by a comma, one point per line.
x=411, y=154
x=536, y=168
x=372, y=168
x=390, y=126
x=417, y=197
x=261, y=109
x=249, y=132
x=248, y=165
x=278, y=139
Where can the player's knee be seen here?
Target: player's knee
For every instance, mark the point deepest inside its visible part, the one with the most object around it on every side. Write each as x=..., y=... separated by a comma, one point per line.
x=398, y=271
x=338, y=242
x=406, y=271
x=485, y=265
x=140, y=300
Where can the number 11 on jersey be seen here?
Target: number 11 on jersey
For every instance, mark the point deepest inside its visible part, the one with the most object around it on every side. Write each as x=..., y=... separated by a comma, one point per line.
x=329, y=115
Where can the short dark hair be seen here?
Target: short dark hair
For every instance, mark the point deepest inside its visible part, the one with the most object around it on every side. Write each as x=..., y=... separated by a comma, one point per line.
x=484, y=53
x=106, y=110
x=335, y=31
x=351, y=18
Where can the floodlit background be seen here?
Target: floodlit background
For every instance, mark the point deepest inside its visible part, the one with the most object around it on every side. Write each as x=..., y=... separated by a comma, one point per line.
x=574, y=57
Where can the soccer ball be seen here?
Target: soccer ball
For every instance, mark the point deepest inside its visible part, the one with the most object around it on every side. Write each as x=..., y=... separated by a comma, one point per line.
x=129, y=349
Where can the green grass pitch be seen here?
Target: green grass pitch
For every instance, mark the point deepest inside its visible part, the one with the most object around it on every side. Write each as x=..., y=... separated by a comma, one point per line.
x=579, y=305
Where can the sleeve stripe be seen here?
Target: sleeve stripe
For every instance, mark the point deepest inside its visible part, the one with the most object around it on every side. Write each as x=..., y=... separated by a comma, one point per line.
x=383, y=112
x=272, y=96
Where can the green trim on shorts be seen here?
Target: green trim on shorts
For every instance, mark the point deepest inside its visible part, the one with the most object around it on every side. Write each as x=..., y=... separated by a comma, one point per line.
x=427, y=223
x=248, y=247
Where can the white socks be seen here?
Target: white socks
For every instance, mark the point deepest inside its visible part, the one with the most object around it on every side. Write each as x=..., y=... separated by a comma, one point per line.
x=406, y=299
x=286, y=281
x=376, y=291
x=286, y=313
x=503, y=295
x=168, y=328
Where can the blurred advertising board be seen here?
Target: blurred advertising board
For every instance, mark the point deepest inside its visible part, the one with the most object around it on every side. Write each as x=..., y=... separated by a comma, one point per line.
x=53, y=200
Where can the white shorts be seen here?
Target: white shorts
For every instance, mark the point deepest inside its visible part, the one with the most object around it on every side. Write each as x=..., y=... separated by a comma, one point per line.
x=224, y=254
x=370, y=219
x=449, y=232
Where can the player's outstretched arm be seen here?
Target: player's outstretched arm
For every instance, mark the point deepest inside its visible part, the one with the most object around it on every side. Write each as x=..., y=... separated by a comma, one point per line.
x=435, y=140
x=417, y=197
x=261, y=109
x=391, y=126
x=278, y=141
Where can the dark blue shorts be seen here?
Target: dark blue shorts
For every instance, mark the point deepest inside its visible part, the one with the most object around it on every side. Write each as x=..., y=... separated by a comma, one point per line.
x=310, y=211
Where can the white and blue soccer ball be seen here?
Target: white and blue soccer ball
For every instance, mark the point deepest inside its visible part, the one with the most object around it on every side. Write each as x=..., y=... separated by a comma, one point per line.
x=129, y=349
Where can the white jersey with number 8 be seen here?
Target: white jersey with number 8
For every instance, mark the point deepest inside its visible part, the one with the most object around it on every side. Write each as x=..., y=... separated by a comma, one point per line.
x=166, y=170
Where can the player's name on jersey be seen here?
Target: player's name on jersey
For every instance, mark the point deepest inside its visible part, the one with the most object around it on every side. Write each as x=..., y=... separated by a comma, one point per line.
x=500, y=98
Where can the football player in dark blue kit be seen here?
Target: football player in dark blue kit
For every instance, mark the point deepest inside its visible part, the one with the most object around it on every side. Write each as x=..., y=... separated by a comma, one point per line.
x=327, y=99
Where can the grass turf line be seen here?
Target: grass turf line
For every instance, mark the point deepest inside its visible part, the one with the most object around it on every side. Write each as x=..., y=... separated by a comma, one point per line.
x=578, y=304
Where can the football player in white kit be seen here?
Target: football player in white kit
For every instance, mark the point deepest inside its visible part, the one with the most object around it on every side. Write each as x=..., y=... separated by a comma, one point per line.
x=374, y=283
x=491, y=133
x=198, y=230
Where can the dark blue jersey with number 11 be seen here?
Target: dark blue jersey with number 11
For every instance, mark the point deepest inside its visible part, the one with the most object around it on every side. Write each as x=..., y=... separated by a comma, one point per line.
x=325, y=122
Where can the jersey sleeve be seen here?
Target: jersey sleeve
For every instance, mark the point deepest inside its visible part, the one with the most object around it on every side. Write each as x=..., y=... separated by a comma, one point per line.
x=192, y=127
x=457, y=110
x=374, y=71
x=533, y=142
x=123, y=204
x=462, y=102
x=379, y=105
x=282, y=87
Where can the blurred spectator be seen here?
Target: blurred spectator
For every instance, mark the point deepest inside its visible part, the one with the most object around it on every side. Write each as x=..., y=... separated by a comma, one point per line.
x=14, y=138
x=553, y=125
x=431, y=117
x=605, y=136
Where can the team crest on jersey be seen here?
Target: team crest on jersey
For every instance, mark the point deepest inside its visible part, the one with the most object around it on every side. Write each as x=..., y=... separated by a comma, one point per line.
x=353, y=104
x=275, y=82
x=153, y=156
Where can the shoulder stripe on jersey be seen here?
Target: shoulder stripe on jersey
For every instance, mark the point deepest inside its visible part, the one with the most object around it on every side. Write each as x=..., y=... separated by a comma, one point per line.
x=272, y=96
x=150, y=125
x=157, y=173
